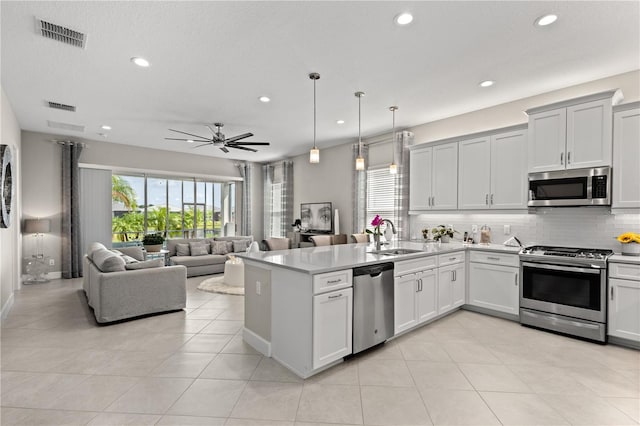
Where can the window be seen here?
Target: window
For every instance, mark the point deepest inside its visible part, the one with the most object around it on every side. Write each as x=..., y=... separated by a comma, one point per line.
x=175, y=207
x=276, y=211
x=380, y=195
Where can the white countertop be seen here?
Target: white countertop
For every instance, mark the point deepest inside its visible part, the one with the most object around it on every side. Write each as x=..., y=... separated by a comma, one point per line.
x=315, y=260
x=618, y=258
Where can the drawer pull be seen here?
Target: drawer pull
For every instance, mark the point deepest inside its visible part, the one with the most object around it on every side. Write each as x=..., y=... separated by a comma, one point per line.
x=452, y=258
x=339, y=280
x=611, y=293
x=493, y=258
x=516, y=280
x=335, y=296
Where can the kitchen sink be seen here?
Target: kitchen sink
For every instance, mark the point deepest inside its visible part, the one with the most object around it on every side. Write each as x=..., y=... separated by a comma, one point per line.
x=395, y=252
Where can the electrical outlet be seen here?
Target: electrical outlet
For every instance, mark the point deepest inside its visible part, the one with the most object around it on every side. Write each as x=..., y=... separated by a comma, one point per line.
x=507, y=229
x=474, y=228
x=258, y=288
x=52, y=262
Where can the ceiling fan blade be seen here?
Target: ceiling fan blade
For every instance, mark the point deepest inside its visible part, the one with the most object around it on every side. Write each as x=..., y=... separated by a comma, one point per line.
x=243, y=148
x=186, y=140
x=202, y=144
x=225, y=150
x=190, y=134
x=249, y=143
x=237, y=138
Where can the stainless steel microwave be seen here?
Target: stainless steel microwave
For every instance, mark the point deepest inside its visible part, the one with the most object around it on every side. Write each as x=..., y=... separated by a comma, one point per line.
x=564, y=188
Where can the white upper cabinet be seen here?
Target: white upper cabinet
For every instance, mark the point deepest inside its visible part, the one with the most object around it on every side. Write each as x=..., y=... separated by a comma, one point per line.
x=626, y=152
x=433, y=180
x=492, y=172
x=573, y=134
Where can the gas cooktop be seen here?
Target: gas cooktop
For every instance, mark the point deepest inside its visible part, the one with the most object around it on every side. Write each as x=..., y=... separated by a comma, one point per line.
x=570, y=254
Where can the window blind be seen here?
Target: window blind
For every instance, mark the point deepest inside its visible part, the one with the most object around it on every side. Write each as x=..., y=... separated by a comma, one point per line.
x=380, y=195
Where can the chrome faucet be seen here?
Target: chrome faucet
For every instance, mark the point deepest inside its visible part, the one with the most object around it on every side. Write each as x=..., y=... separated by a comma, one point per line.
x=377, y=237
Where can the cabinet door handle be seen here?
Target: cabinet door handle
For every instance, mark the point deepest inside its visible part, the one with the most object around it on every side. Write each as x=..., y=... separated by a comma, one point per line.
x=453, y=276
x=516, y=280
x=568, y=157
x=491, y=199
x=611, y=293
x=335, y=296
x=486, y=199
x=433, y=201
x=562, y=158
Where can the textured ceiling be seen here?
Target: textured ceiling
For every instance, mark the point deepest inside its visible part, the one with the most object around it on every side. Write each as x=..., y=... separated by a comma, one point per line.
x=212, y=60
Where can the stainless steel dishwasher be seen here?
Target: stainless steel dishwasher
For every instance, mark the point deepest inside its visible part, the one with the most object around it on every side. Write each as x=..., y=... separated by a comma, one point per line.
x=372, y=305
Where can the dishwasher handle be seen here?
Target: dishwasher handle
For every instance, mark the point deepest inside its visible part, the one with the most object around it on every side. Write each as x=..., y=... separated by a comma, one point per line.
x=373, y=270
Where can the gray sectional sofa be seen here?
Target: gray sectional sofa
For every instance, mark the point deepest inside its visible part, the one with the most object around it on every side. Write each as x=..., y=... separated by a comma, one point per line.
x=120, y=284
x=205, y=256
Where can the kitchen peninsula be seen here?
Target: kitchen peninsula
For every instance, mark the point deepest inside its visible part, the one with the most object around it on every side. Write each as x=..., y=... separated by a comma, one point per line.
x=299, y=302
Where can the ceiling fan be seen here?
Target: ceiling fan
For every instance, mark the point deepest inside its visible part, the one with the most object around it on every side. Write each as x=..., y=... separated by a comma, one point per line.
x=219, y=140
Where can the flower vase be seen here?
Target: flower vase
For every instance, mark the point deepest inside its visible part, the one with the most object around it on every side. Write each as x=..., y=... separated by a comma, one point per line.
x=631, y=249
x=444, y=238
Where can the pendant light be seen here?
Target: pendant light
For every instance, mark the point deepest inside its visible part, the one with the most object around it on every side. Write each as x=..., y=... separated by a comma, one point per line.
x=393, y=167
x=314, y=153
x=359, y=159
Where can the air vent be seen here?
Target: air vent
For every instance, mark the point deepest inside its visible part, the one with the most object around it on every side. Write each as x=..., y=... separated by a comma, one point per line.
x=62, y=34
x=65, y=126
x=57, y=105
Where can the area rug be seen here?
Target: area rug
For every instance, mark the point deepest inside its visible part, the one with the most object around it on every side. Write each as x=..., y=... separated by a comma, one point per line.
x=217, y=285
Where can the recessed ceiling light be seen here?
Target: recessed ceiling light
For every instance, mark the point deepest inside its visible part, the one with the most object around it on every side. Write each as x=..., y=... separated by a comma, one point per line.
x=546, y=20
x=190, y=140
x=141, y=62
x=486, y=83
x=340, y=122
x=264, y=99
x=105, y=127
x=403, y=18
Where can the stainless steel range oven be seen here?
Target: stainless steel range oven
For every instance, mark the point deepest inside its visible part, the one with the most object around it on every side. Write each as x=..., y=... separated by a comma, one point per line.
x=564, y=289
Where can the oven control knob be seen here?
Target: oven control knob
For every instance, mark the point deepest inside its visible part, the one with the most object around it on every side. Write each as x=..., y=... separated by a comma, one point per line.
x=581, y=255
x=590, y=255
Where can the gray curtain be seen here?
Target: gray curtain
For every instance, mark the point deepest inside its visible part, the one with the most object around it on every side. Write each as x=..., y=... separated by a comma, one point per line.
x=287, y=197
x=267, y=179
x=401, y=196
x=71, y=240
x=359, y=191
x=245, y=216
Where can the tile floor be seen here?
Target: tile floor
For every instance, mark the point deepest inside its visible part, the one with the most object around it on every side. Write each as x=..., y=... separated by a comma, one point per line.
x=192, y=368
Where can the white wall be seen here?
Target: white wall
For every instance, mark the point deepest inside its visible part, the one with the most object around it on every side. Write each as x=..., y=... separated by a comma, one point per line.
x=10, y=243
x=41, y=187
x=330, y=180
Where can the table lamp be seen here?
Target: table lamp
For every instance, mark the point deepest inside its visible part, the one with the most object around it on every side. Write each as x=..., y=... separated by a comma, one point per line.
x=38, y=227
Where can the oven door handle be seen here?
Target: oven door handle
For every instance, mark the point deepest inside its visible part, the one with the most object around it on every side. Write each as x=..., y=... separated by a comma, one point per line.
x=563, y=268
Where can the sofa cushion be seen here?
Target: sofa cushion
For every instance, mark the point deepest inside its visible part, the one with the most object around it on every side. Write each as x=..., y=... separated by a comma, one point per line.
x=198, y=248
x=183, y=250
x=240, y=245
x=209, y=259
x=129, y=259
x=93, y=247
x=106, y=261
x=136, y=252
x=219, y=247
x=153, y=263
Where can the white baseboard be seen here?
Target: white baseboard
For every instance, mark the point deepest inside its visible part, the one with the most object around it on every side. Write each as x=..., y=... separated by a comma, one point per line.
x=7, y=307
x=256, y=342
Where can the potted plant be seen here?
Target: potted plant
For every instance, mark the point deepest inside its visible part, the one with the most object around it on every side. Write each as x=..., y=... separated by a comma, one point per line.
x=630, y=243
x=443, y=233
x=153, y=242
x=425, y=233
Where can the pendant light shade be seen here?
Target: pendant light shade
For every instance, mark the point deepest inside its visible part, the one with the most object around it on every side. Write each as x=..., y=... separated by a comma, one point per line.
x=359, y=159
x=393, y=167
x=314, y=153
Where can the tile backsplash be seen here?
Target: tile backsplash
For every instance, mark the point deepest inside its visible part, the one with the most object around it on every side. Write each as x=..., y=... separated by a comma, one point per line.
x=594, y=227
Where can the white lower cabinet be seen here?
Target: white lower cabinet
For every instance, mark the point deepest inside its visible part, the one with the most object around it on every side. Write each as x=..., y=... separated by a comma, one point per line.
x=624, y=301
x=332, y=326
x=494, y=287
x=451, y=287
x=414, y=299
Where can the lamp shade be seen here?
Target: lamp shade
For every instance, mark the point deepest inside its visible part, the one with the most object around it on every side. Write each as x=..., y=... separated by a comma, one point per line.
x=37, y=226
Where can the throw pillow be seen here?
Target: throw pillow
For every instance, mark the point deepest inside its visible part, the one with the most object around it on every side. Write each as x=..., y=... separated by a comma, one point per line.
x=219, y=247
x=94, y=247
x=182, y=250
x=107, y=261
x=198, y=249
x=229, y=246
x=128, y=259
x=240, y=245
x=153, y=263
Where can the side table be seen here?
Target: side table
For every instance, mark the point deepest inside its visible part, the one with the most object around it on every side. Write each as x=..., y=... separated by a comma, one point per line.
x=162, y=254
x=234, y=272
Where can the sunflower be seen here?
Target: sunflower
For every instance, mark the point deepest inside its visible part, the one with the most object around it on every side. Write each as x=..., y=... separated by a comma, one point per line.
x=629, y=237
